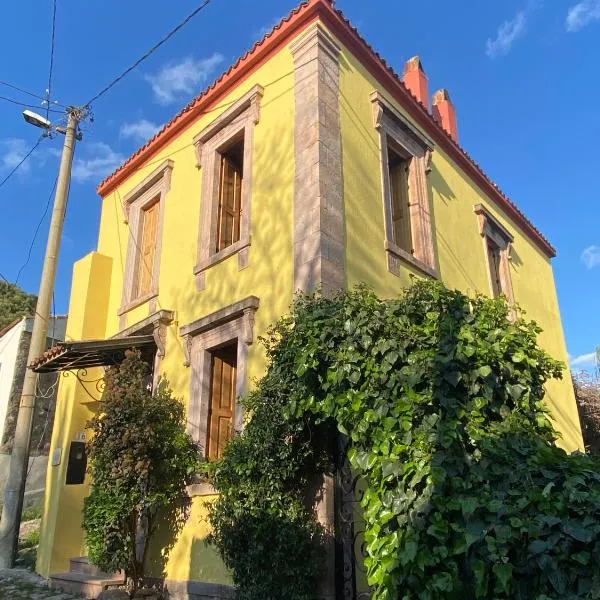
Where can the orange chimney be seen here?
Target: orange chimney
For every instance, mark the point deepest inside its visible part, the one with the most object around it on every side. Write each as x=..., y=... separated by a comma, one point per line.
x=415, y=80
x=445, y=113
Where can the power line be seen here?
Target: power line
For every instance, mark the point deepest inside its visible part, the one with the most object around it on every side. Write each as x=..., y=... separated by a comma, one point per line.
x=49, y=88
x=22, y=161
x=37, y=230
x=15, y=87
x=145, y=56
x=13, y=101
x=20, y=89
x=7, y=281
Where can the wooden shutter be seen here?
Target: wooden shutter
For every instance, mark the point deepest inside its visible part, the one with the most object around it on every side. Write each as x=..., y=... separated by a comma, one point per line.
x=230, y=198
x=400, y=206
x=147, y=249
x=222, y=400
x=494, y=258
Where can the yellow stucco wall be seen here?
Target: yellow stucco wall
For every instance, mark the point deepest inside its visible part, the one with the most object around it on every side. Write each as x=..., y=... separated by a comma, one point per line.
x=61, y=537
x=268, y=276
x=457, y=241
x=98, y=278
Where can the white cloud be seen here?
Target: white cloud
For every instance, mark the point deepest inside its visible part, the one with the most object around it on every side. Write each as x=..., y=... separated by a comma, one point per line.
x=98, y=161
x=507, y=33
x=184, y=78
x=590, y=257
x=582, y=14
x=584, y=360
x=140, y=131
x=12, y=152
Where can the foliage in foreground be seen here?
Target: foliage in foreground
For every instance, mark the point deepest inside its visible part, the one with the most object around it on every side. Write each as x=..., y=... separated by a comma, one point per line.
x=587, y=395
x=441, y=397
x=14, y=303
x=140, y=460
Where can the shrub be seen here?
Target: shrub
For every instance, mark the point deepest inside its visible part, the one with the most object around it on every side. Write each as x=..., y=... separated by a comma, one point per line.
x=140, y=460
x=441, y=397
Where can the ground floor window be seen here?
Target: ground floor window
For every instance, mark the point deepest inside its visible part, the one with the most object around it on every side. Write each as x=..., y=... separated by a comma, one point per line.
x=216, y=348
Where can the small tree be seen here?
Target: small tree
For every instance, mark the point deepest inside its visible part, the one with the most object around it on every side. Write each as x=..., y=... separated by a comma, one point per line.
x=140, y=460
x=14, y=303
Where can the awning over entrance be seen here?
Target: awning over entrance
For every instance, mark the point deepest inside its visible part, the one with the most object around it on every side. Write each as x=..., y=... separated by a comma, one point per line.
x=67, y=356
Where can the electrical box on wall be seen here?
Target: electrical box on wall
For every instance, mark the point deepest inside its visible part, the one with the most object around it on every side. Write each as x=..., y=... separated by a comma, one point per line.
x=77, y=464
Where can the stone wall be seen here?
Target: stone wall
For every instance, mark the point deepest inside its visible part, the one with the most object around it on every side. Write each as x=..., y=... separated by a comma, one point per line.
x=36, y=478
x=45, y=404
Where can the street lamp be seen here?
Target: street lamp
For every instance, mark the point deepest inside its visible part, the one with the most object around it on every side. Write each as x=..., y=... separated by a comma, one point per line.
x=37, y=120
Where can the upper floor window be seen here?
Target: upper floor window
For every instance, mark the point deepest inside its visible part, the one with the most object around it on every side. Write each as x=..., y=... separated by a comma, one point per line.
x=147, y=253
x=224, y=152
x=497, y=246
x=398, y=167
x=405, y=156
x=230, y=196
x=144, y=208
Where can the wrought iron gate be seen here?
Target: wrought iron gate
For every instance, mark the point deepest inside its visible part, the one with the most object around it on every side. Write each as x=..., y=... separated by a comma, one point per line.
x=350, y=581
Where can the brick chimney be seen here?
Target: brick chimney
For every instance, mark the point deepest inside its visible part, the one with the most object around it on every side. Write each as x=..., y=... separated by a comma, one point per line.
x=416, y=81
x=445, y=113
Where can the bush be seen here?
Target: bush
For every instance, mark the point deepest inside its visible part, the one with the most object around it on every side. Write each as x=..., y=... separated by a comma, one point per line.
x=441, y=397
x=140, y=460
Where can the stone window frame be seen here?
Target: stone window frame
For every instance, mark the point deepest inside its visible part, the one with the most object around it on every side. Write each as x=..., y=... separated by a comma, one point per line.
x=239, y=119
x=395, y=130
x=155, y=324
x=491, y=229
x=155, y=185
x=201, y=338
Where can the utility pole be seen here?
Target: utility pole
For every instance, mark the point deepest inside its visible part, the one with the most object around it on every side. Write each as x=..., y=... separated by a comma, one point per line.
x=19, y=460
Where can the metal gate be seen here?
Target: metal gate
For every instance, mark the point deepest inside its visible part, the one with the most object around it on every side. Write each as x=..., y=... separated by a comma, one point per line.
x=350, y=576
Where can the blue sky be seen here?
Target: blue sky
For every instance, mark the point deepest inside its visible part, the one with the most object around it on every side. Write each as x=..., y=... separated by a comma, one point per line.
x=522, y=74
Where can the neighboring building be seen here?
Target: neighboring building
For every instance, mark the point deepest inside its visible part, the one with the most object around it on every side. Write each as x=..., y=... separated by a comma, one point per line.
x=14, y=349
x=308, y=162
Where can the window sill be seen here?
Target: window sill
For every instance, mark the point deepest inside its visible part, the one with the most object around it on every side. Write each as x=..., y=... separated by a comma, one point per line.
x=200, y=488
x=396, y=255
x=137, y=302
x=222, y=255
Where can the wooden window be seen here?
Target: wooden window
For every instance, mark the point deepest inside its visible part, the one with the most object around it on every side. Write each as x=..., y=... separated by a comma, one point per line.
x=494, y=260
x=230, y=196
x=147, y=249
x=222, y=400
x=497, y=242
x=400, y=197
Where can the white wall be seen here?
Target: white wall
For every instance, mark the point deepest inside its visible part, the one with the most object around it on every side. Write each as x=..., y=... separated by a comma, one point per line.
x=9, y=347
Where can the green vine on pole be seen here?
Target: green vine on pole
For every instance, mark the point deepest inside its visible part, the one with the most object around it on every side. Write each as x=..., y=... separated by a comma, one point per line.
x=441, y=396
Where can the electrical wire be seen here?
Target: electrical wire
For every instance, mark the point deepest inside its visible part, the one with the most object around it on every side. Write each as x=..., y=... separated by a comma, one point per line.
x=49, y=88
x=13, y=101
x=7, y=281
x=15, y=87
x=22, y=161
x=37, y=229
x=145, y=56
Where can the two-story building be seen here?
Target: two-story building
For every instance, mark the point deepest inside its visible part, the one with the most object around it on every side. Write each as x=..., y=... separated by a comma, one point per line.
x=309, y=162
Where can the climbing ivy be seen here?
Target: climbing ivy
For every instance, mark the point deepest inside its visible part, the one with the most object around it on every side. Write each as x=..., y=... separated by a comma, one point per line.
x=440, y=395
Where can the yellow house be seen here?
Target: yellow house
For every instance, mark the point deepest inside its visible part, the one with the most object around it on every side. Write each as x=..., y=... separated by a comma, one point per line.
x=309, y=162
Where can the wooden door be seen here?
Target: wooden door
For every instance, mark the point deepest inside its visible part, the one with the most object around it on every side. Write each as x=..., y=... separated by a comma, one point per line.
x=222, y=400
